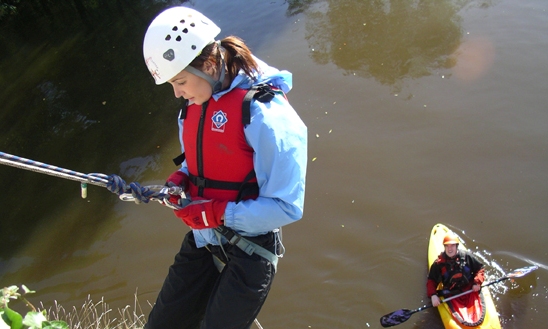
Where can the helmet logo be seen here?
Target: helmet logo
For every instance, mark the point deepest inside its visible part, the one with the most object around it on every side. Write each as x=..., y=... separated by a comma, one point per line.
x=218, y=121
x=169, y=55
x=153, y=68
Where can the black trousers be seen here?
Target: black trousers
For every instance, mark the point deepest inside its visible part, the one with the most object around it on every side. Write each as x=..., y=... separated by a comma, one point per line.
x=195, y=295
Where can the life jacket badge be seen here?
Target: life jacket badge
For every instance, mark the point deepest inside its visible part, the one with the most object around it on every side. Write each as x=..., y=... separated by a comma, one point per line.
x=218, y=121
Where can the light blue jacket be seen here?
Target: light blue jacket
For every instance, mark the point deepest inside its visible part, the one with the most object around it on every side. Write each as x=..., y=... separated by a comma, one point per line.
x=279, y=138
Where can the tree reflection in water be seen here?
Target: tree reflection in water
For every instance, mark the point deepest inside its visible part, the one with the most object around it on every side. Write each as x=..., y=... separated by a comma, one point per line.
x=386, y=40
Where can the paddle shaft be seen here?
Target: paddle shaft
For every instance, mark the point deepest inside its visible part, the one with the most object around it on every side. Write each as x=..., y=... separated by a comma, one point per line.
x=445, y=300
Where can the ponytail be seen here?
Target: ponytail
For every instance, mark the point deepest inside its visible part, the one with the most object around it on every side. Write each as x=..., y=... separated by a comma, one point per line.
x=237, y=57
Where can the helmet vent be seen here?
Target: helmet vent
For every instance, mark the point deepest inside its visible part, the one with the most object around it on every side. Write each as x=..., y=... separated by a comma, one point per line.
x=174, y=28
x=185, y=30
x=178, y=38
x=168, y=37
x=192, y=24
x=193, y=47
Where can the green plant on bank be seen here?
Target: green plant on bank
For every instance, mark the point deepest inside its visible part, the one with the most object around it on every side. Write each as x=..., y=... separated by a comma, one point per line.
x=34, y=319
x=92, y=315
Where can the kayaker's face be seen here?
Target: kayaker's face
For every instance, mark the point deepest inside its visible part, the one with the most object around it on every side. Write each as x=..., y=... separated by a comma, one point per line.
x=451, y=250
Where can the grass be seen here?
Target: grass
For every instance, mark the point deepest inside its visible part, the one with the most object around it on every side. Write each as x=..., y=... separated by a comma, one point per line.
x=98, y=315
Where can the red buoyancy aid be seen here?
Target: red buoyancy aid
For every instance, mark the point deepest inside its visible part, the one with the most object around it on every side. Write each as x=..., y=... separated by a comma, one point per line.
x=219, y=160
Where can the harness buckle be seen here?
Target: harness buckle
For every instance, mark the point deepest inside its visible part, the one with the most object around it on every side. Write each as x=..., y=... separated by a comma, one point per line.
x=227, y=233
x=231, y=236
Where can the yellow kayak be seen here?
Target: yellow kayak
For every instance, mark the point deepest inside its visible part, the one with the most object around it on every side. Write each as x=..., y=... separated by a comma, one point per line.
x=435, y=247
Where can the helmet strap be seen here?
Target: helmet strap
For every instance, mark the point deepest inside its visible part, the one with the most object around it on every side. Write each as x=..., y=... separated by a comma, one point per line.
x=216, y=86
x=219, y=83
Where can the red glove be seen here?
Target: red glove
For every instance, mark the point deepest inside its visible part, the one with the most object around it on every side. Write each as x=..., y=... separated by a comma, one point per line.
x=201, y=213
x=180, y=179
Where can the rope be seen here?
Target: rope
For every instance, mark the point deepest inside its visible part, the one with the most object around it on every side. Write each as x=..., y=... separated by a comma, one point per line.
x=23, y=163
x=114, y=183
x=135, y=192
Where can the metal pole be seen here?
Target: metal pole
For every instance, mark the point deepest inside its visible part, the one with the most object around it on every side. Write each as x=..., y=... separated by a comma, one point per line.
x=258, y=324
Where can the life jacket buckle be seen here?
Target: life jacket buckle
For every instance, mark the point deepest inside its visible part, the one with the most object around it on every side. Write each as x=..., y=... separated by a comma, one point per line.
x=200, y=182
x=264, y=93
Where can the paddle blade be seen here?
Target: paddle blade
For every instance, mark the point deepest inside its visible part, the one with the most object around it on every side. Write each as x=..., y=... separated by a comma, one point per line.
x=395, y=318
x=522, y=271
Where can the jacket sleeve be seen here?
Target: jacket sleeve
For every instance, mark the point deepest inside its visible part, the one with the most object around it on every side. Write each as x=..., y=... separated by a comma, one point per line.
x=479, y=277
x=431, y=286
x=279, y=140
x=434, y=278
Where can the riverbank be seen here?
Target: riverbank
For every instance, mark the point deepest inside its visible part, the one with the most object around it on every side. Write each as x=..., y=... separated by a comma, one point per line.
x=17, y=311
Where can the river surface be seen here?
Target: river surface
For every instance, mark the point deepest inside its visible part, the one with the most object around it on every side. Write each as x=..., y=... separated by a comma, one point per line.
x=419, y=112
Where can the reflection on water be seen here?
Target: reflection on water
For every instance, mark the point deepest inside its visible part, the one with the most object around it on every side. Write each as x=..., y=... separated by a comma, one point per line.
x=466, y=148
x=475, y=58
x=74, y=95
x=388, y=41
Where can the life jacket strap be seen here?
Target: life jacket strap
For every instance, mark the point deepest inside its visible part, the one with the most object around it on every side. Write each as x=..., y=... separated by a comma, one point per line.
x=261, y=92
x=178, y=160
x=245, y=189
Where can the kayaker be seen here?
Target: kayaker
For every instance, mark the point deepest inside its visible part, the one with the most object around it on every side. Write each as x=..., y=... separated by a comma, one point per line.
x=458, y=270
x=243, y=167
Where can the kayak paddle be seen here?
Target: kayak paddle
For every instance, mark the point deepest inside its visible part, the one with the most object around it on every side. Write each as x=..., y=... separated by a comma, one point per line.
x=400, y=316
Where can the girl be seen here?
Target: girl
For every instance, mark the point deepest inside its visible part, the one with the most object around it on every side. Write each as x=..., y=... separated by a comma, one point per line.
x=243, y=167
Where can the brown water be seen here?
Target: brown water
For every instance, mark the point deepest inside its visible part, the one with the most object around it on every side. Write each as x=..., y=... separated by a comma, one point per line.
x=418, y=113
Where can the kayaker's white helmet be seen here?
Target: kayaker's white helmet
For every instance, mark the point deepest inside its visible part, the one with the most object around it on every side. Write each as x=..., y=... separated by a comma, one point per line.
x=174, y=39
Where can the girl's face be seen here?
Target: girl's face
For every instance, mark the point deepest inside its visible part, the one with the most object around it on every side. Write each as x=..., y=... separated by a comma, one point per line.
x=192, y=87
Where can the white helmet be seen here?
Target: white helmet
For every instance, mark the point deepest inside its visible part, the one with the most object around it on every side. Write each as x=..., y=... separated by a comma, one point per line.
x=174, y=39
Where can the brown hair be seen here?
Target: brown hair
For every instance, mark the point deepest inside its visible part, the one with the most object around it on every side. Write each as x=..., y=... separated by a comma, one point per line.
x=237, y=57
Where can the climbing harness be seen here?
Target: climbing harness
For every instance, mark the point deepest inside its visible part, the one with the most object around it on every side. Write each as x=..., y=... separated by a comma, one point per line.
x=245, y=245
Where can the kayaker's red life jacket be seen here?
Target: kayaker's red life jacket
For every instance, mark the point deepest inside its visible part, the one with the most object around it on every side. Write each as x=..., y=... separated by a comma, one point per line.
x=456, y=273
x=219, y=160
